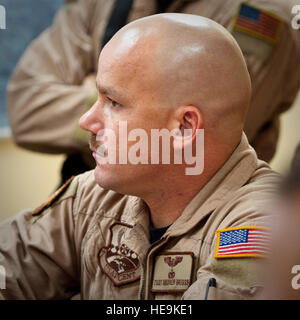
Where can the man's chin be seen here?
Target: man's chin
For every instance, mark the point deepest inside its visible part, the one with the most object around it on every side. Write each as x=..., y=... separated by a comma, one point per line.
x=110, y=177
x=106, y=178
x=100, y=178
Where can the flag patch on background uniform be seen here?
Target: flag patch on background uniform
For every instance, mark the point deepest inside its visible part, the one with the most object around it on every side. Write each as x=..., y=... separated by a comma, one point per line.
x=242, y=242
x=259, y=23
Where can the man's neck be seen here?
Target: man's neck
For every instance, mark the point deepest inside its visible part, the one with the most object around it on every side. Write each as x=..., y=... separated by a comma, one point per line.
x=171, y=197
x=167, y=203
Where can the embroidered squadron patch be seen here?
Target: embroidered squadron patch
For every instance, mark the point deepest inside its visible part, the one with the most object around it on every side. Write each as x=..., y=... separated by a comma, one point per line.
x=242, y=242
x=173, y=272
x=117, y=261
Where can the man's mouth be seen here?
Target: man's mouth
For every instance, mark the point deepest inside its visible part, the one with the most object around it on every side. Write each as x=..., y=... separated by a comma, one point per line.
x=101, y=151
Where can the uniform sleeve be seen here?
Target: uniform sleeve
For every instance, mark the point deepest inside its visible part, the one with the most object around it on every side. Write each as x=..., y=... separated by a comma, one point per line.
x=47, y=92
x=275, y=85
x=39, y=255
x=236, y=278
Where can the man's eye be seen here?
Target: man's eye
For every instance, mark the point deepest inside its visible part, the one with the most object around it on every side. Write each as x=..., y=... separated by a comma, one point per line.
x=114, y=104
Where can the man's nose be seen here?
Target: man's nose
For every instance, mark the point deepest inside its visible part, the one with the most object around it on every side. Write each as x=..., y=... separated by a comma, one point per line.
x=91, y=120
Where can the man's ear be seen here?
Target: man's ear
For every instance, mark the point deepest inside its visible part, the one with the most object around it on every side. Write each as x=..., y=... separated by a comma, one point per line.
x=188, y=120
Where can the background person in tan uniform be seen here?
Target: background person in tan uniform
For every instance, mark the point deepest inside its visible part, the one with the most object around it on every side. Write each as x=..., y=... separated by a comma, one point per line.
x=54, y=82
x=282, y=273
x=150, y=231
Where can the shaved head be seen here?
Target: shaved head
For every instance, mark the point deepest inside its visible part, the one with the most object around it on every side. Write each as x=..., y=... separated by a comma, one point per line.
x=186, y=60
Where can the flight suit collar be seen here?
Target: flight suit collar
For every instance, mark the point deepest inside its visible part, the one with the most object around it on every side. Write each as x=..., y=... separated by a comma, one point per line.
x=140, y=219
x=234, y=174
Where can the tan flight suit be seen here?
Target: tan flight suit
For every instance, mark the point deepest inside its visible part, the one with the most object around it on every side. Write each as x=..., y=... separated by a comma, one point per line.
x=50, y=87
x=96, y=242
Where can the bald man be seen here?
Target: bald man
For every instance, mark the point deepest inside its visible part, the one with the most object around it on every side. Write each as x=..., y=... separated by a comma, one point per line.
x=54, y=82
x=138, y=228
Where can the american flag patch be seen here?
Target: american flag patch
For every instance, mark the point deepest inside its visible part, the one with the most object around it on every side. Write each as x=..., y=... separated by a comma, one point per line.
x=258, y=23
x=242, y=242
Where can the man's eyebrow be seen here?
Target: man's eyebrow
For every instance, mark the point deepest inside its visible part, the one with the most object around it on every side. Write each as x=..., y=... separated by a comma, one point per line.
x=107, y=91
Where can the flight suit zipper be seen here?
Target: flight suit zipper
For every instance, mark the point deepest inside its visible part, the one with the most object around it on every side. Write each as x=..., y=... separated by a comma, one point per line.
x=144, y=266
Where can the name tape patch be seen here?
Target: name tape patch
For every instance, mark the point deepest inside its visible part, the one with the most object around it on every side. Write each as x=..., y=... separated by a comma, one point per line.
x=242, y=242
x=173, y=272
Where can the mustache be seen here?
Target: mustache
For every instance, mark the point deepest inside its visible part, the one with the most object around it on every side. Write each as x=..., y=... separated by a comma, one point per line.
x=94, y=145
x=101, y=149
